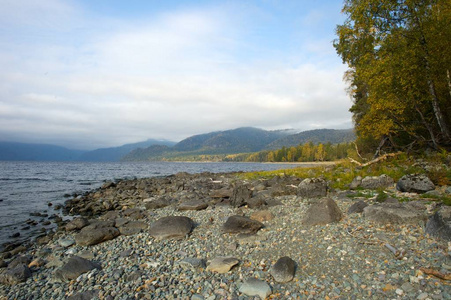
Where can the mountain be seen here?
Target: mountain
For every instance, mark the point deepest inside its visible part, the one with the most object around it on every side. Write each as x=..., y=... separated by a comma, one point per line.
x=334, y=136
x=244, y=139
x=116, y=153
x=37, y=152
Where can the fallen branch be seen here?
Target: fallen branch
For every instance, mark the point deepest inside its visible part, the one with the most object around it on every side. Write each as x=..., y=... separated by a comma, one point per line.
x=436, y=273
x=399, y=254
x=383, y=157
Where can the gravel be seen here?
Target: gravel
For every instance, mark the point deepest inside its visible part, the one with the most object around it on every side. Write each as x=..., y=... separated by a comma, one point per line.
x=344, y=260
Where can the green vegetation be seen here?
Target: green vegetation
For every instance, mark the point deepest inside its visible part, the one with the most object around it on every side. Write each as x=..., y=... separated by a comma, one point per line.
x=399, y=72
x=302, y=153
x=341, y=174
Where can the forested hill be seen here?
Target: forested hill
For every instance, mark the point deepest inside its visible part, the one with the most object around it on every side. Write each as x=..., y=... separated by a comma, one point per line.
x=241, y=140
x=334, y=136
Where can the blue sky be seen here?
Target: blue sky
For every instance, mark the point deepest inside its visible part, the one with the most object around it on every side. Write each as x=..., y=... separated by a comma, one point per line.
x=88, y=74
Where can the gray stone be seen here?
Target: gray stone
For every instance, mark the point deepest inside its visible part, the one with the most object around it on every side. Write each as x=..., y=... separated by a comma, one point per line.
x=14, y=275
x=283, y=270
x=439, y=224
x=192, y=262
x=357, y=207
x=95, y=235
x=66, y=242
x=415, y=183
x=77, y=224
x=74, y=267
x=312, y=188
x=157, y=203
x=87, y=295
x=222, y=264
x=171, y=227
x=376, y=182
x=321, y=212
x=194, y=204
x=132, y=227
x=255, y=287
x=448, y=190
x=241, y=224
x=240, y=195
x=394, y=213
x=355, y=183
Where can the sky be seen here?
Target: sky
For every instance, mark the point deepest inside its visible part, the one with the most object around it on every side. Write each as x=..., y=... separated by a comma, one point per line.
x=87, y=74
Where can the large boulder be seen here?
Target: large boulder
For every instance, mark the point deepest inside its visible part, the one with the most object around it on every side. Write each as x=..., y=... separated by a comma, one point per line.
x=194, y=204
x=395, y=213
x=16, y=274
x=96, y=233
x=321, y=212
x=240, y=195
x=312, y=188
x=171, y=227
x=376, y=182
x=74, y=267
x=439, y=224
x=415, y=183
x=283, y=270
x=241, y=224
x=77, y=224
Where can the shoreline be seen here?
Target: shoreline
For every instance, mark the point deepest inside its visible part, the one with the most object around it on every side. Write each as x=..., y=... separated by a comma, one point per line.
x=346, y=258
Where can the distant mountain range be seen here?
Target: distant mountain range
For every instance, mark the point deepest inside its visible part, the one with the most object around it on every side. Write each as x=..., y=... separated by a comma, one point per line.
x=240, y=140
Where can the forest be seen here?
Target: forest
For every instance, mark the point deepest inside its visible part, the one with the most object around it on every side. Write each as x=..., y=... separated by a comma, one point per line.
x=399, y=58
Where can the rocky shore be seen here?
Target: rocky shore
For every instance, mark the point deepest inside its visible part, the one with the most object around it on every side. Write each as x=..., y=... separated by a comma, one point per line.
x=216, y=236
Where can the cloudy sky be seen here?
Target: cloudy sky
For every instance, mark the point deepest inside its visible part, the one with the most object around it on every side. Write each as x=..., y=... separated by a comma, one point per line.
x=88, y=74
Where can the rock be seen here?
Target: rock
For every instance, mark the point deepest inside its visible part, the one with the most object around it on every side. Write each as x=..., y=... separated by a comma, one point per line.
x=171, y=227
x=240, y=195
x=283, y=270
x=255, y=287
x=74, y=267
x=321, y=212
x=87, y=295
x=92, y=235
x=20, y=260
x=376, y=182
x=110, y=215
x=312, y=188
x=77, y=224
x=192, y=262
x=133, y=213
x=194, y=204
x=415, y=183
x=3, y=263
x=256, y=202
x=14, y=275
x=241, y=224
x=439, y=224
x=108, y=185
x=355, y=183
x=221, y=193
x=67, y=242
x=222, y=264
x=156, y=203
x=394, y=213
x=38, y=262
x=357, y=207
x=132, y=227
x=262, y=216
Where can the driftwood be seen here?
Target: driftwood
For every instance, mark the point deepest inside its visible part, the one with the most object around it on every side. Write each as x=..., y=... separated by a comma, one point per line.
x=436, y=273
x=399, y=253
x=380, y=158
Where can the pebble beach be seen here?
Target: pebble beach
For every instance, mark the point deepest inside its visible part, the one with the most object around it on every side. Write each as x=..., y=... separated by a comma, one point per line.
x=352, y=258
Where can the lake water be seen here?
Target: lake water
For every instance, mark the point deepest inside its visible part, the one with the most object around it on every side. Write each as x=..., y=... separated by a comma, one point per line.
x=28, y=187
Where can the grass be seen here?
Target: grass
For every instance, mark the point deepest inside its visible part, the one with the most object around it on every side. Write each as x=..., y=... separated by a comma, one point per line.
x=343, y=172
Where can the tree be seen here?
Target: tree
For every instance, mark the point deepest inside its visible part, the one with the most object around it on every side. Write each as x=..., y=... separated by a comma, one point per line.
x=398, y=52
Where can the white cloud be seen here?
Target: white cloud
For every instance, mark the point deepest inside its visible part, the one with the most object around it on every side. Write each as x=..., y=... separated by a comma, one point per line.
x=175, y=75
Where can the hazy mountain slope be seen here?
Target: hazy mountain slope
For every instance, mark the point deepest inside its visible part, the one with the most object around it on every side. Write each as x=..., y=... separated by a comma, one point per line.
x=116, y=153
x=37, y=152
x=333, y=136
x=244, y=139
